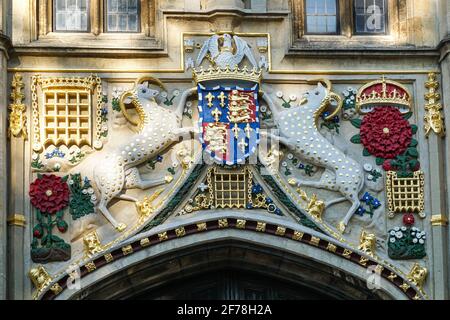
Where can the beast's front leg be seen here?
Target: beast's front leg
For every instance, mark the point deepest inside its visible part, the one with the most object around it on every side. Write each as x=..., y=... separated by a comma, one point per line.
x=277, y=138
x=184, y=133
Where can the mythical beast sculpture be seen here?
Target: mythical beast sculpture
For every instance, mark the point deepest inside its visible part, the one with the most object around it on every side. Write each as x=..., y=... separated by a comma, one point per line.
x=298, y=131
x=158, y=128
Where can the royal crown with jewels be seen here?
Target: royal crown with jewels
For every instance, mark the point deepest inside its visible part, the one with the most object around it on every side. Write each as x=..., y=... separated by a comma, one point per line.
x=218, y=73
x=381, y=93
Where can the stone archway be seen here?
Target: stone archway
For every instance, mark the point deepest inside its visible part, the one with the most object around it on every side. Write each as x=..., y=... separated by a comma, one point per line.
x=184, y=249
x=229, y=269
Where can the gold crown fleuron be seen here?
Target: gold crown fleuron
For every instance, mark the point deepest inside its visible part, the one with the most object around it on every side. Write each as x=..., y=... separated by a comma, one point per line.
x=217, y=73
x=383, y=92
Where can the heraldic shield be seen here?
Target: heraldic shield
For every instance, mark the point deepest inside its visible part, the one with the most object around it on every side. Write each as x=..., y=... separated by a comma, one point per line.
x=229, y=122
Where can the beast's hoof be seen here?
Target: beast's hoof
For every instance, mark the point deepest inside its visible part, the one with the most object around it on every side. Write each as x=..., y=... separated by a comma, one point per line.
x=341, y=227
x=168, y=178
x=121, y=226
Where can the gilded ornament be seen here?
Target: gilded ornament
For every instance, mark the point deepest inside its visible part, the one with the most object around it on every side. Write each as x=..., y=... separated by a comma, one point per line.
x=363, y=261
x=392, y=276
x=17, y=220
x=280, y=231
x=434, y=118
x=331, y=247
x=144, y=242
x=40, y=278
x=145, y=207
x=180, y=232
x=56, y=289
x=90, y=266
x=92, y=244
x=367, y=242
x=405, y=194
x=201, y=226
x=108, y=257
x=315, y=241
x=316, y=207
x=223, y=223
x=163, y=236
x=17, y=116
x=127, y=249
x=439, y=220
x=261, y=226
x=236, y=73
x=347, y=253
x=297, y=235
x=63, y=97
x=405, y=286
x=418, y=275
x=240, y=223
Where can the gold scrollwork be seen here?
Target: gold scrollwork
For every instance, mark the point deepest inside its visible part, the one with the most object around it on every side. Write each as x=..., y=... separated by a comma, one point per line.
x=17, y=117
x=434, y=119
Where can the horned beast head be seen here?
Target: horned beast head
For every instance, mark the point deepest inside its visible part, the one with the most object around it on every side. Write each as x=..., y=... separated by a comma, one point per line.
x=323, y=96
x=140, y=96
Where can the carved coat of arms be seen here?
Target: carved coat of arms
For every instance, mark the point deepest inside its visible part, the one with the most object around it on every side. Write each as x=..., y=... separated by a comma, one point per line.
x=228, y=122
x=228, y=115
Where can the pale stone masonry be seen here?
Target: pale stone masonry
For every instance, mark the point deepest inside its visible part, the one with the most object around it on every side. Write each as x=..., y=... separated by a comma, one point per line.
x=416, y=43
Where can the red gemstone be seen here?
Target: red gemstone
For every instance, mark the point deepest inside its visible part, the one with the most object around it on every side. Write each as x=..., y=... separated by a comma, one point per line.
x=408, y=219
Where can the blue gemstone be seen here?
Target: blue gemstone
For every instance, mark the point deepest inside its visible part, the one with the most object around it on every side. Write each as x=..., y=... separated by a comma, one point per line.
x=269, y=201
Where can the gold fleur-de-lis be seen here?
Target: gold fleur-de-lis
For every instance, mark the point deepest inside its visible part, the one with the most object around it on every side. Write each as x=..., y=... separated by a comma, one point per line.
x=210, y=97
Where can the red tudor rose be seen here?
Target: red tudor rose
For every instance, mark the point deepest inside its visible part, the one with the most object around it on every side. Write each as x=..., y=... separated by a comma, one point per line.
x=49, y=193
x=385, y=133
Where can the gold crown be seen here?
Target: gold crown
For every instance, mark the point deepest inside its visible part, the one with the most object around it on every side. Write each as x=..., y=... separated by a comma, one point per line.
x=218, y=73
x=383, y=92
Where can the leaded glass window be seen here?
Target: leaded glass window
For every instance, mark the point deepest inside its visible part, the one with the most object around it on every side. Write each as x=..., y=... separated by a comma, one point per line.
x=321, y=16
x=122, y=15
x=370, y=16
x=71, y=15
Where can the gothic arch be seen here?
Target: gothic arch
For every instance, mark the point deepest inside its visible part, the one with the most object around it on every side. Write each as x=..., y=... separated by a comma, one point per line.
x=217, y=241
